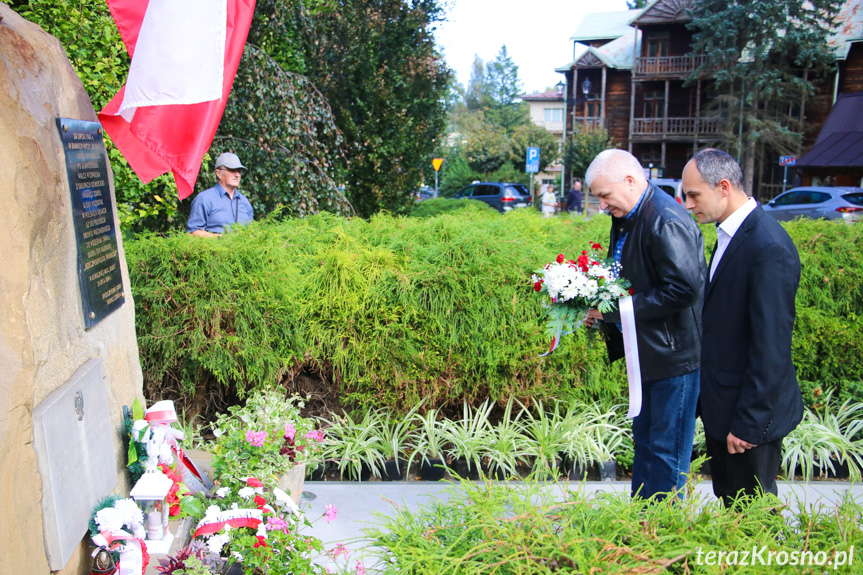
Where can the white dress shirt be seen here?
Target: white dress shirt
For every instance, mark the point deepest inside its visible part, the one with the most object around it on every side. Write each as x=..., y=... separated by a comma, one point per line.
x=726, y=230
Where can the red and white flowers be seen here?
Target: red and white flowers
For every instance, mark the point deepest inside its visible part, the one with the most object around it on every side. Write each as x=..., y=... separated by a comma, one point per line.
x=576, y=286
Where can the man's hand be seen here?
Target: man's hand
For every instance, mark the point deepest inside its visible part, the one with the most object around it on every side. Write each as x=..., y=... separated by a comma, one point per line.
x=592, y=317
x=204, y=234
x=737, y=445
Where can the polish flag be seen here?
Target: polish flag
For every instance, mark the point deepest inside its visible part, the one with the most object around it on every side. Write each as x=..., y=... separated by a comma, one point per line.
x=185, y=55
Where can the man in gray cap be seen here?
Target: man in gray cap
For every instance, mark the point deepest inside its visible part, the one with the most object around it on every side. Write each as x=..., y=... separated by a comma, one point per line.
x=216, y=209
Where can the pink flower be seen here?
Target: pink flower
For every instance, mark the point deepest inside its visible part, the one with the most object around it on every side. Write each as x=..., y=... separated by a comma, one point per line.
x=290, y=431
x=315, y=435
x=277, y=524
x=360, y=569
x=338, y=550
x=256, y=438
x=330, y=512
x=252, y=482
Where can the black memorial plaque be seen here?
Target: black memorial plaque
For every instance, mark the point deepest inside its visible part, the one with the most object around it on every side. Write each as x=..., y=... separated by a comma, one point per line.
x=99, y=275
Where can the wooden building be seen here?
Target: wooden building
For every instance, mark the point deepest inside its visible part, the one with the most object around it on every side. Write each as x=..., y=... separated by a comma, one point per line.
x=631, y=80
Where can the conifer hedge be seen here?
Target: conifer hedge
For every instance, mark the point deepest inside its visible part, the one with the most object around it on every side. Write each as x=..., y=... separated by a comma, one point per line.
x=390, y=310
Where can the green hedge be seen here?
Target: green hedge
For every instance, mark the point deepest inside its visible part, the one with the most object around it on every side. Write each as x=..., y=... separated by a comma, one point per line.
x=391, y=310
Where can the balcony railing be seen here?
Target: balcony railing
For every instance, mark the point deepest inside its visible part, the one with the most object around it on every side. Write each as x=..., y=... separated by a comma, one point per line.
x=668, y=65
x=587, y=124
x=676, y=126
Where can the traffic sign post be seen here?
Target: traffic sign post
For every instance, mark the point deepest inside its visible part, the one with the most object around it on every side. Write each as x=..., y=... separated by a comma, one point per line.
x=532, y=165
x=436, y=163
x=786, y=161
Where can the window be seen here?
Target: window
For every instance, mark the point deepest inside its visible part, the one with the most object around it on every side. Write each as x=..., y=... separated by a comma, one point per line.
x=856, y=199
x=553, y=114
x=593, y=106
x=787, y=199
x=657, y=44
x=654, y=104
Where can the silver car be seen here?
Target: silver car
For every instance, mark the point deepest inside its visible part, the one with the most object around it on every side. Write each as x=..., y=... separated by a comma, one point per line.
x=818, y=202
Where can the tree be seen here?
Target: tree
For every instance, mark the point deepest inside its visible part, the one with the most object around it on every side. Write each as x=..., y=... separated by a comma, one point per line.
x=582, y=148
x=501, y=80
x=475, y=97
x=636, y=4
x=376, y=64
x=764, y=57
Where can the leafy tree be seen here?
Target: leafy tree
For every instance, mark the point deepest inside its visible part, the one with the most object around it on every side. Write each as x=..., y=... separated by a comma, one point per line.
x=529, y=135
x=376, y=63
x=764, y=56
x=487, y=146
x=582, y=148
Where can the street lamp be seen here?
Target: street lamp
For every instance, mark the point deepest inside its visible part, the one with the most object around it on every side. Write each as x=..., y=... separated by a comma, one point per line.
x=585, y=89
x=560, y=86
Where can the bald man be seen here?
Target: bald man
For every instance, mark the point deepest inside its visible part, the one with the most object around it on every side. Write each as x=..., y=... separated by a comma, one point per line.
x=661, y=251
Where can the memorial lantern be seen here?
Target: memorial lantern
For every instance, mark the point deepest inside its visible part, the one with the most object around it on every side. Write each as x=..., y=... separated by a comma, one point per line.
x=151, y=493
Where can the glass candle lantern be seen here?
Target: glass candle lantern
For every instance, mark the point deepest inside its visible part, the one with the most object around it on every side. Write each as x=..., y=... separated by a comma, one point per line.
x=151, y=493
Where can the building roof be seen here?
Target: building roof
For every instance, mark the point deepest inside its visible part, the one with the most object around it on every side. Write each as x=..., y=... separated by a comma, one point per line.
x=840, y=142
x=550, y=95
x=619, y=53
x=604, y=26
x=663, y=12
x=849, y=29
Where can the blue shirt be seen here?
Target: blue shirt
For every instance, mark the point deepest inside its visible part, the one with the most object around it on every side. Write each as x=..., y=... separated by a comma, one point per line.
x=618, y=247
x=214, y=211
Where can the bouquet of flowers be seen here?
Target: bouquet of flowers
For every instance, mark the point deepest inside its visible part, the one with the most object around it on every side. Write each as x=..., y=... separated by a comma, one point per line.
x=264, y=438
x=576, y=286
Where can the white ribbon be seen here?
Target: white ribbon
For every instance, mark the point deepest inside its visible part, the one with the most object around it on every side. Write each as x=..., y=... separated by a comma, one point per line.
x=630, y=346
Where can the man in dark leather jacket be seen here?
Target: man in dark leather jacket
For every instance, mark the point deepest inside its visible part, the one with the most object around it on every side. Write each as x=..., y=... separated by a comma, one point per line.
x=661, y=251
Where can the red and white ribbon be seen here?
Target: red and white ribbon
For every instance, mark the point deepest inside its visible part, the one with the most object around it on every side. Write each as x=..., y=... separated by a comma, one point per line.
x=234, y=517
x=630, y=347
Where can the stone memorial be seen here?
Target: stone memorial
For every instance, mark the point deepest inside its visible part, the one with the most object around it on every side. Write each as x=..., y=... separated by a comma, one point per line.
x=45, y=338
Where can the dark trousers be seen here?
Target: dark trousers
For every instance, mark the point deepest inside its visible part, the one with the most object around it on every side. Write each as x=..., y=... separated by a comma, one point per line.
x=751, y=473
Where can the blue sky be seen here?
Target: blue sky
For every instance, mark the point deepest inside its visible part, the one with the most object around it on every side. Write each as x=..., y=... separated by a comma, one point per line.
x=536, y=34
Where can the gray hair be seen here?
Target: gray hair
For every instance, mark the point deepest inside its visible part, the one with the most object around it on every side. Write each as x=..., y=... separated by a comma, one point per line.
x=615, y=165
x=715, y=165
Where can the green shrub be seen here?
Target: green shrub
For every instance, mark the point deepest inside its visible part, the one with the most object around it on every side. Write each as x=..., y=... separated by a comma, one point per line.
x=485, y=527
x=390, y=310
x=438, y=206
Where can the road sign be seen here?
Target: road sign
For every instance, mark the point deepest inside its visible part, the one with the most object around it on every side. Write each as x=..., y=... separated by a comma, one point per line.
x=532, y=160
x=436, y=162
x=787, y=160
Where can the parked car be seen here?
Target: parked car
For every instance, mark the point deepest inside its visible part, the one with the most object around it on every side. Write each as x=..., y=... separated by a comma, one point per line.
x=502, y=196
x=818, y=202
x=673, y=188
x=424, y=193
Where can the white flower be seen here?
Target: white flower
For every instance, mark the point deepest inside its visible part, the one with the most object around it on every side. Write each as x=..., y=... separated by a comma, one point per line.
x=216, y=542
x=262, y=530
x=129, y=512
x=212, y=512
x=109, y=519
x=222, y=491
x=246, y=492
x=234, y=506
x=217, y=433
x=238, y=556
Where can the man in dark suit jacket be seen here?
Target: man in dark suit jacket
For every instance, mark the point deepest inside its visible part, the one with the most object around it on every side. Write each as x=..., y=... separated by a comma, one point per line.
x=750, y=399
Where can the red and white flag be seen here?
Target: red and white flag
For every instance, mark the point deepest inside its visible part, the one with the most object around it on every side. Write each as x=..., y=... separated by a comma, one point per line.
x=184, y=59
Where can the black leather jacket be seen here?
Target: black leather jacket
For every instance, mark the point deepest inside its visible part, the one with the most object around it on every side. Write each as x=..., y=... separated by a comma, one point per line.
x=663, y=258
